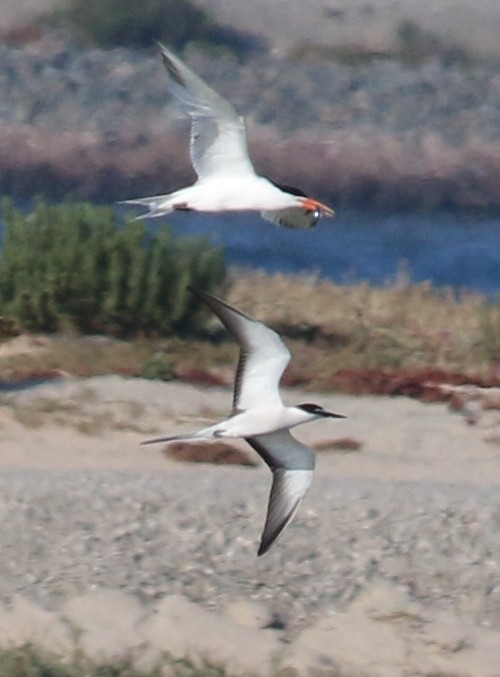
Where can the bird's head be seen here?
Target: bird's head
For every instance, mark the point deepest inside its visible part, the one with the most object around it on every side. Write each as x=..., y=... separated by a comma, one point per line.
x=308, y=204
x=302, y=212
x=317, y=411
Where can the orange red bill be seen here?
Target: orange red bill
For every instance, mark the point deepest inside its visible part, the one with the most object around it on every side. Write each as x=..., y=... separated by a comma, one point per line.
x=312, y=205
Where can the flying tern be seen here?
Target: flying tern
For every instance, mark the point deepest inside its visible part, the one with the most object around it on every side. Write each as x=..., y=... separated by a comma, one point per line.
x=226, y=178
x=260, y=418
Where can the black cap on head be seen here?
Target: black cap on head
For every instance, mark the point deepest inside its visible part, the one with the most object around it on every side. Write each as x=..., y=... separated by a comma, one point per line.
x=318, y=410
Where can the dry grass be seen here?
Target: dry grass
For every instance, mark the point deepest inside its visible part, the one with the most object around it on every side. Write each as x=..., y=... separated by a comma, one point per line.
x=57, y=355
x=345, y=444
x=399, y=326
x=350, y=338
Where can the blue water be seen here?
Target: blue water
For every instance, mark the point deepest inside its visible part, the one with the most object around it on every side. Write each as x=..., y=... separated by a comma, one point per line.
x=462, y=251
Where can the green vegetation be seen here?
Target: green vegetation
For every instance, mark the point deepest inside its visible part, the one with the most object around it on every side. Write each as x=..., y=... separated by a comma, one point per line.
x=129, y=23
x=489, y=319
x=332, y=331
x=72, y=267
x=69, y=271
x=30, y=661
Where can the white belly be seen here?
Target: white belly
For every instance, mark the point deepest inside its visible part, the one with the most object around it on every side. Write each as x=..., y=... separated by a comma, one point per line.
x=246, y=193
x=257, y=422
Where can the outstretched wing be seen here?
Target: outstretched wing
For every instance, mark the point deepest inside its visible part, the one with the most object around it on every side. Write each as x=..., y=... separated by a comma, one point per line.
x=218, y=137
x=263, y=356
x=292, y=464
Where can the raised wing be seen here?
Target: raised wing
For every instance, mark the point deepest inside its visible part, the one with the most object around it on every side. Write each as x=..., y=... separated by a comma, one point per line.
x=263, y=356
x=293, y=217
x=292, y=464
x=218, y=137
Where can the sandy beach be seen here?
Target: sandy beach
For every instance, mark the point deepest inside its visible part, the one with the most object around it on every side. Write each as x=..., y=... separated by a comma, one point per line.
x=390, y=568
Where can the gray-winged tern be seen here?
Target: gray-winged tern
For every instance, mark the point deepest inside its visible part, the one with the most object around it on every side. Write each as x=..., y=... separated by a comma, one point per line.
x=259, y=416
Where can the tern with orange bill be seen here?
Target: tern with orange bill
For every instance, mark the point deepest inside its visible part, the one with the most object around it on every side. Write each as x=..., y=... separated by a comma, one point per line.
x=260, y=418
x=226, y=177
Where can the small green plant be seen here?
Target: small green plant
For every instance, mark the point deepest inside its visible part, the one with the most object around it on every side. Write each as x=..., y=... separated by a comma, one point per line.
x=72, y=267
x=31, y=661
x=158, y=368
x=489, y=324
x=8, y=328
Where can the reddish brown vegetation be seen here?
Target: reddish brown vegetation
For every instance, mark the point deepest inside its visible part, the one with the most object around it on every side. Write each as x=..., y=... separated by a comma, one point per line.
x=338, y=444
x=88, y=165
x=21, y=34
x=421, y=384
x=368, y=170
x=218, y=453
x=204, y=377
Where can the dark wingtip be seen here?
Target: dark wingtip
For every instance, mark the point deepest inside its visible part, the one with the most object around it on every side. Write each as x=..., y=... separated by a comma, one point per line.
x=263, y=548
x=199, y=294
x=162, y=49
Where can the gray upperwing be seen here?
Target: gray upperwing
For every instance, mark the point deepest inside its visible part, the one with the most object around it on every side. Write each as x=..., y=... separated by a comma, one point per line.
x=287, y=491
x=292, y=464
x=281, y=450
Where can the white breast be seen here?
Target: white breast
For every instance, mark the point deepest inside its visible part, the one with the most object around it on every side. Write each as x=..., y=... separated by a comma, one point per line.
x=245, y=193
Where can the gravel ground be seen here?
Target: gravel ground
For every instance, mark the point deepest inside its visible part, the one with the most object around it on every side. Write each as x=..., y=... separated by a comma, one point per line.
x=64, y=533
x=391, y=566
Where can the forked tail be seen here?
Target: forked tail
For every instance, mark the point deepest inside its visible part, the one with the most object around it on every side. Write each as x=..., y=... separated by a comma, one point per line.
x=173, y=438
x=157, y=205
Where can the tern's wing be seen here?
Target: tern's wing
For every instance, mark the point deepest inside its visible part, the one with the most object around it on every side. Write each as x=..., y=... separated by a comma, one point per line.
x=218, y=138
x=292, y=465
x=293, y=217
x=263, y=356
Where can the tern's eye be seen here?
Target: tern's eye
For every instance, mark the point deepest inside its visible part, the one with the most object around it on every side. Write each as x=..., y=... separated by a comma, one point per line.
x=311, y=408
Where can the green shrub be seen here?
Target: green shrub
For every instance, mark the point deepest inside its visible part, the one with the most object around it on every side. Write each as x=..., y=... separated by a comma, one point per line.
x=158, y=368
x=72, y=267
